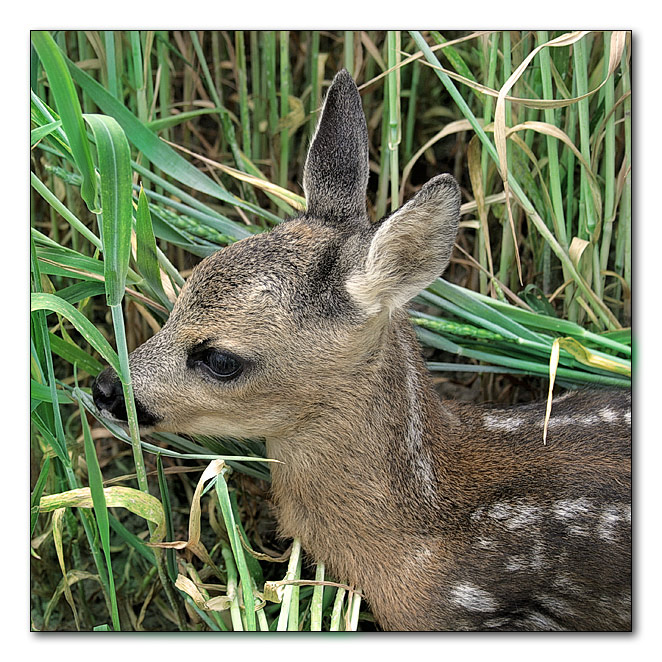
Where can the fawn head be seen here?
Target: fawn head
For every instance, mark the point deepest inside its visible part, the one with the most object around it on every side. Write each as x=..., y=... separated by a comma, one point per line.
x=262, y=329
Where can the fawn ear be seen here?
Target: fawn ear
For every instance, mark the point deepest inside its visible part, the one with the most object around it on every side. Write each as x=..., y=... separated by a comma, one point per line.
x=410, y=249
x=335, y=177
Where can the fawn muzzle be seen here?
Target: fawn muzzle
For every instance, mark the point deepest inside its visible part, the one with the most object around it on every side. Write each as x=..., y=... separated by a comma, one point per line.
x=108, y=396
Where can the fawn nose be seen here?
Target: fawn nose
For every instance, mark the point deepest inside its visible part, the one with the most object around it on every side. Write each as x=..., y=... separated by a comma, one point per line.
x=108, y=395
x=109, y=398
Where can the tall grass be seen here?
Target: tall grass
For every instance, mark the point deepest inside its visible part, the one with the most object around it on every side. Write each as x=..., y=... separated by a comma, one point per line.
x=153, y=149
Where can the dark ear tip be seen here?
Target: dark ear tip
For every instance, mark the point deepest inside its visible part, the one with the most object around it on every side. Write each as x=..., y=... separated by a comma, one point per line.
x=343, y=79
x=443, y=181
x=442, y=190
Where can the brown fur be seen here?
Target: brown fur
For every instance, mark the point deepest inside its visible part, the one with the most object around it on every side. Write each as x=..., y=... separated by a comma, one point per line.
x=446, y=516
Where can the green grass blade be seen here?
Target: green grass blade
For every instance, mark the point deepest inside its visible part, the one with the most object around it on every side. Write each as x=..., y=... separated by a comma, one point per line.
x=42, y=131
x=147, y=142
x=393, y=102
x=44, y=301
x=232, y=588
x=115, y=173
x=111, y=63
x=61, y=209
x=317, y=601
x=68, y=108
x=242, y=85
x=237, y=551
x=171, y=561
x=292, y=566
x=74, y=355
x=467, y=300
x=100, y=510
x=284, y=37
x=146, y=254
x=37, y=492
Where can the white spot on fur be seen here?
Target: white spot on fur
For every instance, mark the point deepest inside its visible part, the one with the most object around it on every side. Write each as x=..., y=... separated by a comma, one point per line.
x=523, y=516
x=608, y=415
x=570, y=421
x=610, y=518
x=503, y=423
x=477, y=514
x=538, y=560
x=473, y=598
x=628, y=417
x=500, y=511
x=514, y=563
x=572, y=508
x=514, y=515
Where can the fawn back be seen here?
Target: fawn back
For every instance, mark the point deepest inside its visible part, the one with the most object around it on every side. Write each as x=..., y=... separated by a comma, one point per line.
x=446, y=516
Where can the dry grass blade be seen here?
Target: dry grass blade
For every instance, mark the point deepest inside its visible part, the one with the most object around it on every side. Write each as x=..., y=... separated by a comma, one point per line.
x=193, y=543
x=58, y=520
x=419, y=55
x=618, y=44
x=452, y=127
x=219, y=603
x=551, y=130
x=144, y=505
x=475, y=175
x=287, y=196
x=553, y=366
x=500, y=134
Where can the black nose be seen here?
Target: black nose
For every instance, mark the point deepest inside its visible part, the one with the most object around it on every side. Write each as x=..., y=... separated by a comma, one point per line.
x=108, y=395
x=109, y=398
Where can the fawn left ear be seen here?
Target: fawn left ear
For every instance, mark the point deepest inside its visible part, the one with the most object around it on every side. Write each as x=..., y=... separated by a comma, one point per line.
x=335, y=176
x=410, y=249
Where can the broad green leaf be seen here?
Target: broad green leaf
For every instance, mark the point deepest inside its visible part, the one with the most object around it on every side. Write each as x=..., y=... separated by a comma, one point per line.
x=114, y=159
x=79, y=291
x=154, y=149
x=69, y=110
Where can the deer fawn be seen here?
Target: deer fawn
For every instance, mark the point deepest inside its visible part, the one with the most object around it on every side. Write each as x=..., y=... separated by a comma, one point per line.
x=447, y=516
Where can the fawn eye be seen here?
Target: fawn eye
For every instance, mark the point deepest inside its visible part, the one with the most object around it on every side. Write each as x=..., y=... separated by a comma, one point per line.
x=222, y=365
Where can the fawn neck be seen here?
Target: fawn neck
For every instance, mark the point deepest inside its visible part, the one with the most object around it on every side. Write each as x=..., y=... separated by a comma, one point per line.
x=359, y=478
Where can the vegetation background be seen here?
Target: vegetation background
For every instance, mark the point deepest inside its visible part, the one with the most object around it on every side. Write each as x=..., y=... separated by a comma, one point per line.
x=152, y=149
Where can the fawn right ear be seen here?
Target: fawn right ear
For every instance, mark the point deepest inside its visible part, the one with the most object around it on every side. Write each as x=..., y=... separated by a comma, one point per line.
x=410, y=249
x=335, y=177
